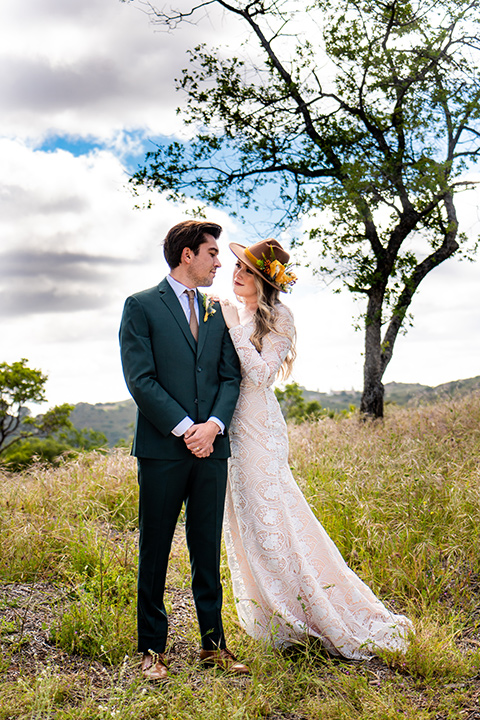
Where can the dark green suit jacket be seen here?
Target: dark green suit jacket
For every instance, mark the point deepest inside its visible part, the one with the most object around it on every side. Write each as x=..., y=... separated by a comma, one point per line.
x=170, y=375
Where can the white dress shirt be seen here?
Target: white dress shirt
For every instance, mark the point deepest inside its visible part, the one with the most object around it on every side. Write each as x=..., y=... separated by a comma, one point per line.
x=179, y=290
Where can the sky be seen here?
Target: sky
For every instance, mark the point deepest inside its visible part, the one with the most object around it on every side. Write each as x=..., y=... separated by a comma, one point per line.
x=85, y=89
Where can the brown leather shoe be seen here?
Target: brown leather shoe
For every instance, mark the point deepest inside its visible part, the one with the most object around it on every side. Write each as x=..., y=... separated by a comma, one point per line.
x=223, y=659
x=154, y=666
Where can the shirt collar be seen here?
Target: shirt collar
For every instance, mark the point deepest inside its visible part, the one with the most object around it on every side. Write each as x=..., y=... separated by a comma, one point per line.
x=178, y=287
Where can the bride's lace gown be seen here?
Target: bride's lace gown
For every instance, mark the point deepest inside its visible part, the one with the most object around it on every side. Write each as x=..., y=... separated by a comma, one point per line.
x=289, y=579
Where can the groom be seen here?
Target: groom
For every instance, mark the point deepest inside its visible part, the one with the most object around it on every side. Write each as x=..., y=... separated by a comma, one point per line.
x=182, y=371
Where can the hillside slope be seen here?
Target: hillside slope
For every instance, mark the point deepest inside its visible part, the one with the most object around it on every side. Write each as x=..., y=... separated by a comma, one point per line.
x=117, y=419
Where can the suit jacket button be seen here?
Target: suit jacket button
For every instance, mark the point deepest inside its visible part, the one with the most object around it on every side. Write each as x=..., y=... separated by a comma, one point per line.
x=199, y=369
x=196, y=401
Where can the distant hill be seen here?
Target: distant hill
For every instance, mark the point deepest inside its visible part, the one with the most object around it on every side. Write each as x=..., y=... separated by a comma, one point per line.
x=398, y=393
x=117, y=419
x=429, y=394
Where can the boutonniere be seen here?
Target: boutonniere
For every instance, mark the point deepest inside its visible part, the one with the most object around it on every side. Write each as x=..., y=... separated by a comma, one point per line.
x=209, y=309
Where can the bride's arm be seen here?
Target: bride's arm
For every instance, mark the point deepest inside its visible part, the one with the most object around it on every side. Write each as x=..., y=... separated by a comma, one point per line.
x=261, y=367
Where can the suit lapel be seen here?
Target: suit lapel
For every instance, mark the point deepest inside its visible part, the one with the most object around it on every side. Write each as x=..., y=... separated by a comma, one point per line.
x=173, y=304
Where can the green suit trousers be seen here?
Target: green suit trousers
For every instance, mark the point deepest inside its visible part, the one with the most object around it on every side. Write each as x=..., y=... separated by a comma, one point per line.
x=164, y=486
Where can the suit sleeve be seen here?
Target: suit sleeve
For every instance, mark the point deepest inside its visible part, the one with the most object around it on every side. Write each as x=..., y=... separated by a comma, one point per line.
x=140, y=373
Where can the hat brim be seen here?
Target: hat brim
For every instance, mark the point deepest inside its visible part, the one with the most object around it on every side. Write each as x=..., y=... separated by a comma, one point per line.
x=239, y=252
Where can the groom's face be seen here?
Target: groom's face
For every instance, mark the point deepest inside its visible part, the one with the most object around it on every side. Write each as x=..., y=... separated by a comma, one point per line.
x=204, y=264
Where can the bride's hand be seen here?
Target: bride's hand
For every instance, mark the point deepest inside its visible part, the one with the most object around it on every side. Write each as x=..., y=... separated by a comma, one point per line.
x=230, y=313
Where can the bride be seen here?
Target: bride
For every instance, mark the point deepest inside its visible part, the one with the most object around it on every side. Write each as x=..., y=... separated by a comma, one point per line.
x=289, y=579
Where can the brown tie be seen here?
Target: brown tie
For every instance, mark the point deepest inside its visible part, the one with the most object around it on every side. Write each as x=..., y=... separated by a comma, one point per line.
x=193, y=315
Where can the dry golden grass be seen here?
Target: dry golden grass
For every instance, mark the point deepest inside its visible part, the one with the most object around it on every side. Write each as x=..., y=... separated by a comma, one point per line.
x=46, y=513
x=400, y=498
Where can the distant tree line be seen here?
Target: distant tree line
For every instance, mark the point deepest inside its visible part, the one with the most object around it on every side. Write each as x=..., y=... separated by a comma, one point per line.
x=295, y=407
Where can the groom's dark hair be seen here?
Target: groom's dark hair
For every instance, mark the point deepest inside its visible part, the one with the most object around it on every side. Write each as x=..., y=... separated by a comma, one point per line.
x=189, y=233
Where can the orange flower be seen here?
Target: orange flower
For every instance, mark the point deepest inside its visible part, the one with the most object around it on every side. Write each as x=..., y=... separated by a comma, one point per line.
x=276, y=267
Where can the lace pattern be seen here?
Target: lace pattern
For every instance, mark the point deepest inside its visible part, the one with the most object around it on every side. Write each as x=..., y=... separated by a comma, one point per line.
x=289, y=579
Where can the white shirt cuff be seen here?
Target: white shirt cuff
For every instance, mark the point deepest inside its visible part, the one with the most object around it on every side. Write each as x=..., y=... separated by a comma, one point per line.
x=182, y=427
x=220, y=424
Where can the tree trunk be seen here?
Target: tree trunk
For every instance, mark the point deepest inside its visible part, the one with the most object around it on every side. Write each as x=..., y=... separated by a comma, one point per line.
x=378, y=353
x=371, y=405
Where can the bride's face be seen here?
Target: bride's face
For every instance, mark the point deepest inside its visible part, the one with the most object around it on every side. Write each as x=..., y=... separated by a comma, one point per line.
x=243, y=282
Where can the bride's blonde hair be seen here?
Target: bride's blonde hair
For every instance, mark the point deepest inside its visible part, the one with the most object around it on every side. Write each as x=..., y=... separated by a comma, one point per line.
x=264, y=322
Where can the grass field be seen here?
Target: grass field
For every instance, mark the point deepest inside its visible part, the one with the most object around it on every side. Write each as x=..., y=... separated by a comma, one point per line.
x=400, y=498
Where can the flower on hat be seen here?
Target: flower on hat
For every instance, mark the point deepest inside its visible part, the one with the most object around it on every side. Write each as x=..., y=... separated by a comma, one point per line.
x=274, y=270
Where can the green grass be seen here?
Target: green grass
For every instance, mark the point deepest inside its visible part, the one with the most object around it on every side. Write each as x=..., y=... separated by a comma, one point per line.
x=401, y=500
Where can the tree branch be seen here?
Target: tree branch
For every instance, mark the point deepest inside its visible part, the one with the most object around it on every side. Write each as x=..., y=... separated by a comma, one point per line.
x=448, y=247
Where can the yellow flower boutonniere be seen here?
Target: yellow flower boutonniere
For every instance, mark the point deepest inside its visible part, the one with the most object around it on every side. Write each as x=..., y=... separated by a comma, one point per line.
x=209, y=309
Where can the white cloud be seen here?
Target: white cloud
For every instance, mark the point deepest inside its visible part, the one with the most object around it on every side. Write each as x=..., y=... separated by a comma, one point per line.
x=93, y=67
x=73, y=247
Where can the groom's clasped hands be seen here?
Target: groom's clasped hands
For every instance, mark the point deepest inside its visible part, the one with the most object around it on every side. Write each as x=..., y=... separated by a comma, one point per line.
x=199, y=438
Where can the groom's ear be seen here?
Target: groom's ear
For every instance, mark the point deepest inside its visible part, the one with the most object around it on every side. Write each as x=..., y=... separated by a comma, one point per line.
x=186, y=256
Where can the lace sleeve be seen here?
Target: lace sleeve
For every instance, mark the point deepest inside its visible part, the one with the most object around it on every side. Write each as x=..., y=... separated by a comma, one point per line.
x=261, y=367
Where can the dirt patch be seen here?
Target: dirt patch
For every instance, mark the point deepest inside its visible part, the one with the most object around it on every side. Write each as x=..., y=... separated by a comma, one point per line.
x=28, y=612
